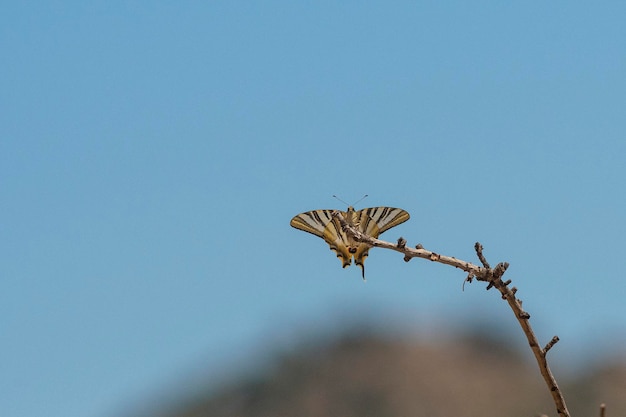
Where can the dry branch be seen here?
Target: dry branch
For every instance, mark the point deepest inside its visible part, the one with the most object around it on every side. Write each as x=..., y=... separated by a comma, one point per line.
x=493, y=276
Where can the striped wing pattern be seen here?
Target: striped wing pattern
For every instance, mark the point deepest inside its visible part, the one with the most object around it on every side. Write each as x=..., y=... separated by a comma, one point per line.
x=372, y=221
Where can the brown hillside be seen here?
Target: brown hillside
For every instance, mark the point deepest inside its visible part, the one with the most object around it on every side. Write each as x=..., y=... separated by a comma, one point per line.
x=367, y=376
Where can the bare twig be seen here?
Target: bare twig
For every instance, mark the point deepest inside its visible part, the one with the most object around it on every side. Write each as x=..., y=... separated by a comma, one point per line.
x=479, y=252
x=551, y=343
x=602, y=409
x=493, y=276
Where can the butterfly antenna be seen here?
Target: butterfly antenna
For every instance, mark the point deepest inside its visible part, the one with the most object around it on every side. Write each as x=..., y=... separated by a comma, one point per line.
x=359, y=200
x=341, y=200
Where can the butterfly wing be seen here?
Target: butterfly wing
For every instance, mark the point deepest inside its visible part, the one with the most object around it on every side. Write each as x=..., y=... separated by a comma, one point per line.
x=373, y=222
x=321, y=223
x=312, y=221
x=384, y=218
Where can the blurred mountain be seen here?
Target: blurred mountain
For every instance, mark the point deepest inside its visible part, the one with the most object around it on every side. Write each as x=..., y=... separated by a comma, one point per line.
x=367, y=375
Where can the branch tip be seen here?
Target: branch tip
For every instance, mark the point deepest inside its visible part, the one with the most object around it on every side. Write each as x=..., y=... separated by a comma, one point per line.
x=551, y=343
x=479, y=252
x=500, y=269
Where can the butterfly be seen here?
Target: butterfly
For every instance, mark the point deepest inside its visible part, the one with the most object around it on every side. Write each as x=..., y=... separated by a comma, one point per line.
x=372, y=221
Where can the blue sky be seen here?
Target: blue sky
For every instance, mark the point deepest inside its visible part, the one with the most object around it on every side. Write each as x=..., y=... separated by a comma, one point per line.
x=152, y=155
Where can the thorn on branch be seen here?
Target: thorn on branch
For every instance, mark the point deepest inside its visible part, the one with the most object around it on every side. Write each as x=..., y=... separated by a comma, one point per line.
x=419, y=246
x=500, y=269
x=524, y=315
x=407, y=258
x=551, y=343
x=506, y=293
x=507, y=282
x=401, y=242
x=434, y=256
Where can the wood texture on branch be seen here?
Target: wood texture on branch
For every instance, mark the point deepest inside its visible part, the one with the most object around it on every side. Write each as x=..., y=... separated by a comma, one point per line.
x=493, y=276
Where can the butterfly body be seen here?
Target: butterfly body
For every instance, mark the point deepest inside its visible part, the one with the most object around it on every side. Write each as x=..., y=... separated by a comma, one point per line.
x=371, y=221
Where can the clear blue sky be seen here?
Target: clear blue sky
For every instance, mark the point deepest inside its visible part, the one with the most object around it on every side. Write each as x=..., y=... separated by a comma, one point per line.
x=153, y=153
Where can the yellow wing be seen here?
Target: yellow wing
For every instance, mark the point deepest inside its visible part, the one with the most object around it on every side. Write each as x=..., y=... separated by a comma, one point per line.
x=372, y=221
x=322, y=224
x=314, y=222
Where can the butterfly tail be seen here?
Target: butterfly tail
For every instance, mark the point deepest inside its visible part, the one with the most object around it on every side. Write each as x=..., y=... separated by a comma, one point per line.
x=362, y=270
x=360, y=254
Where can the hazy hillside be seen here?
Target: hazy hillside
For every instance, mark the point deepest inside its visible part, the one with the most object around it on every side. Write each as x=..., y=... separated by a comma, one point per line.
x=369, y=376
